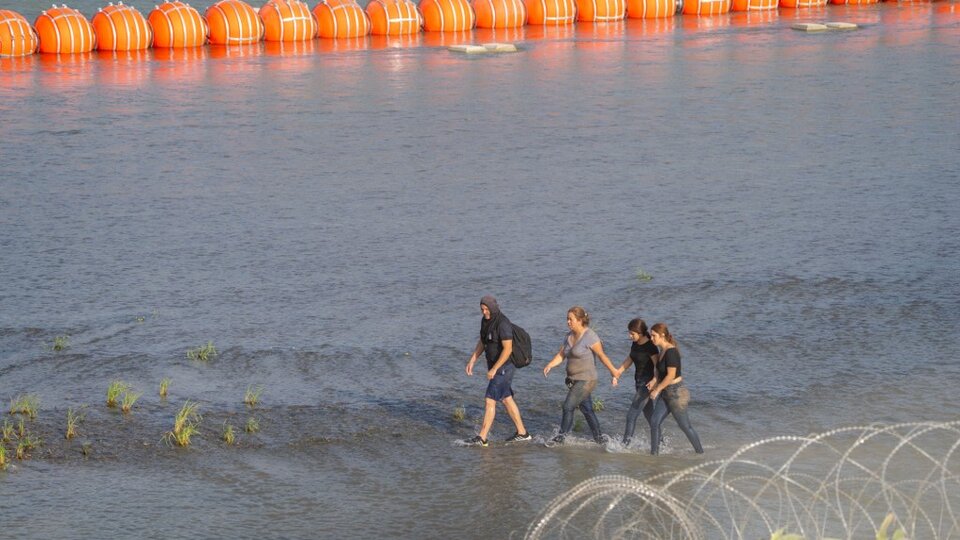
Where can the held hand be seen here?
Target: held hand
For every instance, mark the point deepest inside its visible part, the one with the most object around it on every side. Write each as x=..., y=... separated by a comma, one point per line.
x=546, y=370
x=470, y=367
x=491, y=374
x=616, y=380
x=654, y=394
x=651, y=384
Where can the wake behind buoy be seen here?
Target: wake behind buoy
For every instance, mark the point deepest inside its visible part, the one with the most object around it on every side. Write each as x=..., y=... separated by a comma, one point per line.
x=121, y=28
x=233, y=22
x=287, y=20
x=341, y=19
x=500, y=13
x=64, y=30
x=601, y=10
x=447, y=15
x=17, y=37
x=394, y=17
x=177, y=25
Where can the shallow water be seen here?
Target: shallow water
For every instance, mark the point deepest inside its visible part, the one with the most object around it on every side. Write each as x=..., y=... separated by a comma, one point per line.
x=329, y=217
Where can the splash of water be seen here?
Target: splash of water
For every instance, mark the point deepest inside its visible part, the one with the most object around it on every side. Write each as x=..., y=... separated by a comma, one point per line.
x=837, y=484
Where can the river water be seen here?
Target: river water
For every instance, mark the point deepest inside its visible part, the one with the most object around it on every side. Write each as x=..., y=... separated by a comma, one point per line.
x=329, y=216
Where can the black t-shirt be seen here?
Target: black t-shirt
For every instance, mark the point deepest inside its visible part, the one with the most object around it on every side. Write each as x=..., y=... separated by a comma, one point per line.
x=640, y=354
x=671, y=358
x=496, y=333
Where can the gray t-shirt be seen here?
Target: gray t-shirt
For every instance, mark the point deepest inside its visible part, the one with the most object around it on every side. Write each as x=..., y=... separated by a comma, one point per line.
x=581, y=360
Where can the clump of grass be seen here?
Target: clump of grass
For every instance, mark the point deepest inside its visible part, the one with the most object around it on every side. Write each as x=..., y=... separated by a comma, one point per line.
x=140, y=318
x=252, y=425
x=73, y=419
x=459, y=413
x=21, y=430
x=252, y=396
x=186, y=424
x=26, y=444
x=597, y=404
x=7, y=431
x=27, y=404
x=129, y=398
x=643, y=276
x=228, y=435
x=164, y=385
x=86, y=448
x=202, y=353
x=60, y=343
x=115, y=392
x=3, y=457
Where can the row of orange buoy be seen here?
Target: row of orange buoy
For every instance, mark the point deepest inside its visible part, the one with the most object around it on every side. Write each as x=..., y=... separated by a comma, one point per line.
x=175, y=24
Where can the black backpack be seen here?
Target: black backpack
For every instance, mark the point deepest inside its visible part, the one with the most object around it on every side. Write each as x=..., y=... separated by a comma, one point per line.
x=522, y=353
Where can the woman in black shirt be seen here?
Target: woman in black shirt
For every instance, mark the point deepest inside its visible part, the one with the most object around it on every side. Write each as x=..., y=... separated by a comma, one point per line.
x=670, y=385
x=643, y=356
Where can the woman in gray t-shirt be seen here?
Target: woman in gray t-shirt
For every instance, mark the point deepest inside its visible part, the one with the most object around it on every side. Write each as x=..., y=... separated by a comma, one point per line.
x=581, y=348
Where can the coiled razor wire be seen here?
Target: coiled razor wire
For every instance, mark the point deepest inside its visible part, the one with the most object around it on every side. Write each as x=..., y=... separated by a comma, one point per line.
x=838, y=484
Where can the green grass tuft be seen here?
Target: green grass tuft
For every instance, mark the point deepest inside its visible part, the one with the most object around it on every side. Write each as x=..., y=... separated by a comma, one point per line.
x=643, y=276
x=27, y=404
x=164, y=386
x=115, y=392
x=129, y=398
x=60, y=343
x=73, y=419
x=8, y=431
x=186, y=424
x=597, y=404
x=252, y=425
x=459, y=413
x=3, y=457
x=252, y=396
x=228, y=435
x=202, y=353
x=21, y=429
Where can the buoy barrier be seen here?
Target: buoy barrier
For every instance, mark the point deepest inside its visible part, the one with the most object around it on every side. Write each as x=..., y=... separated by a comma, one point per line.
x=64, y=30
x=233, y=22
x=705, y=7
x=341, y=19
x=500, y=13
x=287, y=20
x=754, y=5
x=601, y=10
x=17, y=37
x=551, y=12
x=854, y=2
x=177, y=25
x=447, y=15
x=651, y=9
x=393, y=17
x=121, y=28
x=802, y=3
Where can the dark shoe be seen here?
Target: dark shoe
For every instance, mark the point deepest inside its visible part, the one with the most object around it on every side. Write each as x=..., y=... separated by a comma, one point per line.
x=559, y=438
x=478, y=440
x=626, y=442
x=518, y=437
x=601, y=439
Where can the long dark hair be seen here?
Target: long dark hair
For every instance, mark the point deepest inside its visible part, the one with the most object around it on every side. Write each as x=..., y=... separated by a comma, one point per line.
x=638, y=326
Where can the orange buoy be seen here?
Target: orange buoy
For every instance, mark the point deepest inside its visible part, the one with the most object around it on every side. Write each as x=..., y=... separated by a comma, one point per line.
x=287, y=20
x=394, y=17
x=802, y=3
x=705, y=7
x=447, y=15
x=500, y=13
x=64, y=30
x=121, y=28
x=854, y=2
x=17, y=37
x=551, y=12
x=652, y=9
x=177, y=25
x=341, y=19
x=233, y=22
x=754, y=5
x=601, y=10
